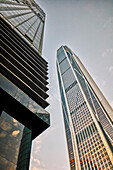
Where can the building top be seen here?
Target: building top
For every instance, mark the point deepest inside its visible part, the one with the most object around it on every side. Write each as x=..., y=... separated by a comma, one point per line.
x=60, y=56
x=27, y=18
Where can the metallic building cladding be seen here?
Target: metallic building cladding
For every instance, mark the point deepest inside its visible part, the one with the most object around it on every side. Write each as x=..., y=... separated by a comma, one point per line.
x=66, y=123
x=93, y=134
x=23, y=81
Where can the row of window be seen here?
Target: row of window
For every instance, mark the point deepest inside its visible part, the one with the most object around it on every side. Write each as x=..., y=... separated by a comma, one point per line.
x=71, y=86
x=86, y=133
x=95, y=151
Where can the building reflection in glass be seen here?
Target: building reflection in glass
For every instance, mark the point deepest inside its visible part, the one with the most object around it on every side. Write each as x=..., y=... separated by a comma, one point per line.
x=10, y=138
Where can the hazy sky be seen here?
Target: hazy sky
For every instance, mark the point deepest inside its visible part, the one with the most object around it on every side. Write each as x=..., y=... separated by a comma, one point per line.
x=86, y=27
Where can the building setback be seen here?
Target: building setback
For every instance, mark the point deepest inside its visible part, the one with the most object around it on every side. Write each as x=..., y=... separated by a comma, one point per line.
x=87, y=115
x=23, y=81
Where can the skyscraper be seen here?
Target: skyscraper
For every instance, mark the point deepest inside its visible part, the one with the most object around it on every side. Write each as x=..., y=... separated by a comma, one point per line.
x=23, y=81
x=87, y=115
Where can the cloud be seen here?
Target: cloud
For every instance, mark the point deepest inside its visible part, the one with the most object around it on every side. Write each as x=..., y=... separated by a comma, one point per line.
x=109, y=23
x=110, y=69
x=36, y=164
x=5, y=125
x=2, y=134
x=15, y=133
x=53, y=99
x=38, y=141
x=49, y=131
x=35, y=168
x=103, y=54
x=14, y=120
x=112, y=103
x=107, y=51
x=37, y=149
x=36, y=146
x=36, y=161
x=103, y=82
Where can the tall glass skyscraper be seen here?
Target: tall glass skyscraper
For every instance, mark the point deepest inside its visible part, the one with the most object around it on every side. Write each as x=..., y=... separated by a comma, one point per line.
x=23, y=81
x=87, y=115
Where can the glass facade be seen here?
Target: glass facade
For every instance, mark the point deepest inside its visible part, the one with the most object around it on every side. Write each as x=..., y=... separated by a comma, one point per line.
x=23, y=82
x=26, y=17
x=11, y=132
x=88, y=126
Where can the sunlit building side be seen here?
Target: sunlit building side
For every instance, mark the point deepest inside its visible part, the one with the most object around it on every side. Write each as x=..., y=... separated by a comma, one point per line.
x=87, y=115
x=23, y=81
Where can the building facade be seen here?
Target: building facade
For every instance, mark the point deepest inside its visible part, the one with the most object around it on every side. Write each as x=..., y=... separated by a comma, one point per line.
x=23, y=81
x=88, y=117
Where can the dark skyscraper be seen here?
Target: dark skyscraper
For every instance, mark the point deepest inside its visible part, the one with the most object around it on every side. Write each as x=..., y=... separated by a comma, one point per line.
x=23, y=82
x=87, y=115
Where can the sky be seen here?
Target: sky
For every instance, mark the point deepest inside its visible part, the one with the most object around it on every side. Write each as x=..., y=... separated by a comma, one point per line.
x=86, y=27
